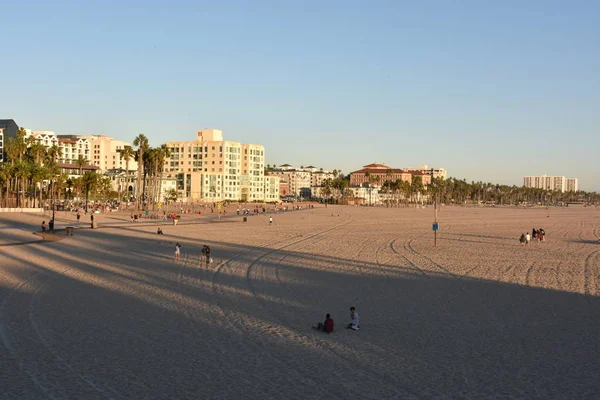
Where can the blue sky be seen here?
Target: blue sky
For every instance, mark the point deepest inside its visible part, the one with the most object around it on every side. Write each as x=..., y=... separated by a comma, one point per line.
x=490, y=92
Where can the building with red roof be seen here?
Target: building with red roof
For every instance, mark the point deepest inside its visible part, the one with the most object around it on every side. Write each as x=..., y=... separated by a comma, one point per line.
x=376, y=174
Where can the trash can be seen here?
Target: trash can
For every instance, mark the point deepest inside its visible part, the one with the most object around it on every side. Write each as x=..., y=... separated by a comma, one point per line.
x=94, y=225
x=175, y=220
x=69, y=231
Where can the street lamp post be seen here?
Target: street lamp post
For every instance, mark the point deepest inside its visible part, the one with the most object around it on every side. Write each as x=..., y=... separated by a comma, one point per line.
x=53, y=206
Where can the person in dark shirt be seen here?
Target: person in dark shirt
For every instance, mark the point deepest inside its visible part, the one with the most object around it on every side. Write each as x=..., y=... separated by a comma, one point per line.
x=326, y=326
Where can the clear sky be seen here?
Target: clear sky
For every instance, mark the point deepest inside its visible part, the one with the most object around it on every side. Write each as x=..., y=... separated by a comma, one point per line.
x=491, y=91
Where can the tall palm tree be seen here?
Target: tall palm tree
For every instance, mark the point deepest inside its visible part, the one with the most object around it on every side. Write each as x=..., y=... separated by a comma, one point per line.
x=165, y=153
x=80, y=162
x=5, y=177
x=90, y=182
x=127, y=153
x=53, y=154
x=141, y=142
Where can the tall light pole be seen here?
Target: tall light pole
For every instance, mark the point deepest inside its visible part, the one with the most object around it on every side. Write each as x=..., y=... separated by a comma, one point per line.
x=53, y=204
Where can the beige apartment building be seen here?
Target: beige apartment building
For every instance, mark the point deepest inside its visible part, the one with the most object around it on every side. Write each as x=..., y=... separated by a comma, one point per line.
x=213, y=169
x=105, y=153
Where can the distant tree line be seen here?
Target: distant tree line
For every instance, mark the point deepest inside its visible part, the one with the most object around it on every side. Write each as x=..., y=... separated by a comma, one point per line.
x=453, y=190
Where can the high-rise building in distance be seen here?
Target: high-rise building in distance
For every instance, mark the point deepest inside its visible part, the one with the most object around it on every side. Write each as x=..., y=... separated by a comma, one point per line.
x=546, y=182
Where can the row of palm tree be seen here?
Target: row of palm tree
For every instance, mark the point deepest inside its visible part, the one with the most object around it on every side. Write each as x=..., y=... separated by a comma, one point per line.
x=30, y=175
x=399, y=192
x=31, y=167
x=454, y=190
x=151, y=162
x=457, y=191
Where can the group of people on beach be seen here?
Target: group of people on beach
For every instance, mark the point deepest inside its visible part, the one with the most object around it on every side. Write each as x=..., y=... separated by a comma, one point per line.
x=205, y=258
x=50, y=225
x=538, y=234
x=328, y=325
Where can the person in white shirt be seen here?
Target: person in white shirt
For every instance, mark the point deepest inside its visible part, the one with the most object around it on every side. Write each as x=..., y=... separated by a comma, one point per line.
x=354, y=317
x=177, y=252
x=527, y=238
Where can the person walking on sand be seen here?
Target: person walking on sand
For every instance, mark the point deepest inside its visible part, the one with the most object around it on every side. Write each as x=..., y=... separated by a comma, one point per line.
x=270, y=220
x=78, y=216
x=354, y=320
x=203, y=255
x=326, y=326
x=527, y=239
x=522, y=239
x=207, y=255
x=177, y=252
x=534, y=233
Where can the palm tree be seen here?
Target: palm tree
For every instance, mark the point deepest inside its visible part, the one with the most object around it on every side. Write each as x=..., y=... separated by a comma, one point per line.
x=5, y=177
x=141, y=142
x=80, y=162
x=90, y=181
x=165, y=153
x=127, y=153
x=53, y=153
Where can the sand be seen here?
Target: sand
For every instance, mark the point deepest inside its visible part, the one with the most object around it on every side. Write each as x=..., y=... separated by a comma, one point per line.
x=107, y=313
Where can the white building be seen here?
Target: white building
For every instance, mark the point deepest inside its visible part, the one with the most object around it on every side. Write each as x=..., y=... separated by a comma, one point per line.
x=301, y=180
x=546, y=182
x=318, y=177
x=272, y=188
x=71, y=146
x=47, y=138
x=572, y=185
x=424, y=169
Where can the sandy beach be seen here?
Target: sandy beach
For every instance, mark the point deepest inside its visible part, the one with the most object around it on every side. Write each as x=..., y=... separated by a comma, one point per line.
x=108, y=314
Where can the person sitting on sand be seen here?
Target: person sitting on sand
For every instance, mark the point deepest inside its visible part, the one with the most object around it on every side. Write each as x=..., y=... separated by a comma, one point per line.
x=522, y=239
x=159, y=231
x=326, y=326
x=354, y=317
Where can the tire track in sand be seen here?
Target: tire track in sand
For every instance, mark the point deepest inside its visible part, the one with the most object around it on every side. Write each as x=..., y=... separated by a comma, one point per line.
x=88, y=386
